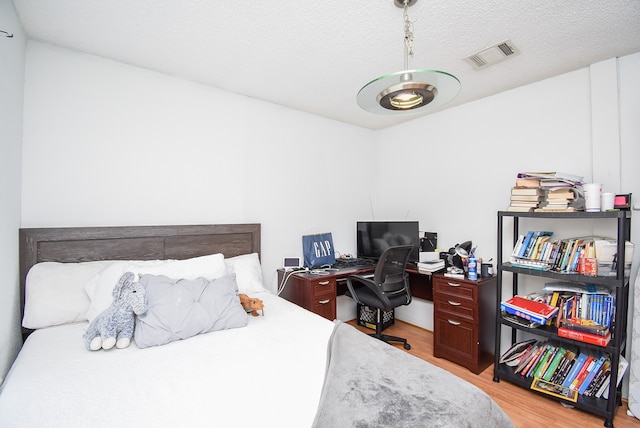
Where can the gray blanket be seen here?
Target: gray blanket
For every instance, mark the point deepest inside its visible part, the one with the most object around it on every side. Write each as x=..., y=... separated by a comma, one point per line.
x=372, y=384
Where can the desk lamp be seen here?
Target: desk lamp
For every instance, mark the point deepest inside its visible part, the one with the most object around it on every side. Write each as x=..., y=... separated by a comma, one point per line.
x=459, y=253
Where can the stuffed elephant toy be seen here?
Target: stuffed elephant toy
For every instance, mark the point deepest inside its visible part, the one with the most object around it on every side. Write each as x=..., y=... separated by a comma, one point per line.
x=114, y=326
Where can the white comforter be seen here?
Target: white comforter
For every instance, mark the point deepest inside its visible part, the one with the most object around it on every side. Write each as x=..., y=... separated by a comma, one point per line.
x=268, y=374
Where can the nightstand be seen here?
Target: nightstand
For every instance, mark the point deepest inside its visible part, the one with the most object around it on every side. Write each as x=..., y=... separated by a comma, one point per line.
x=464, y=314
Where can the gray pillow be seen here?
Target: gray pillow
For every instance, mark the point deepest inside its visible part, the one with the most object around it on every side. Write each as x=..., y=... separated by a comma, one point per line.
x=181, y=308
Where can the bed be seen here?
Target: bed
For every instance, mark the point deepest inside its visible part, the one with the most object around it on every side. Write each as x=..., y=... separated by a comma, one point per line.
x=287, y=368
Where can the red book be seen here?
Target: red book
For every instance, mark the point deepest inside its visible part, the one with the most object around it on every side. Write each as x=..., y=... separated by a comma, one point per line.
x=594, y=339
x=582, y=374
x=533, y=307
x=533, y=361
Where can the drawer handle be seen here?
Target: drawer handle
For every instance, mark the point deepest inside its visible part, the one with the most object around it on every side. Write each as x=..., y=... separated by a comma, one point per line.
x=453, y=322
x=324, y=302
x=454, y=303
x=323, y=283
x=453, y=284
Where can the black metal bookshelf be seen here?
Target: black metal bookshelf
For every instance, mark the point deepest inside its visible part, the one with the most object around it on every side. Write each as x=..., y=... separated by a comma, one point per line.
x=617, y=283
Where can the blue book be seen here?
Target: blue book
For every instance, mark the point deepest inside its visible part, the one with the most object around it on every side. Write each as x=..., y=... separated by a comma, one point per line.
x=525, y=243
x=580, y=359
x=535, y=236
x=594, y=370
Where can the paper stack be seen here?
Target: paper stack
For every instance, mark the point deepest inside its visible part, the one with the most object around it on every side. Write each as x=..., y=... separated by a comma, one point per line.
x=430, y=266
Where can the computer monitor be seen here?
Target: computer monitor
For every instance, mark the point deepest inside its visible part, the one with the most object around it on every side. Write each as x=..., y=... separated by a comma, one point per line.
x=373, y=237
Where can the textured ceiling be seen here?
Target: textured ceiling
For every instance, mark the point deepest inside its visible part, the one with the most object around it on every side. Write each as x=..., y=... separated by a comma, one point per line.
x=315, y=55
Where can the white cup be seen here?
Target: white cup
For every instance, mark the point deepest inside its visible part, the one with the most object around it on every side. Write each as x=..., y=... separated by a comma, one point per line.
x=592, y=193
x=606, y=202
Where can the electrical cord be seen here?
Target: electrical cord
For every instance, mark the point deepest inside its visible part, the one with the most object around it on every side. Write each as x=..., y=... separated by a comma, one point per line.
x=287, y=275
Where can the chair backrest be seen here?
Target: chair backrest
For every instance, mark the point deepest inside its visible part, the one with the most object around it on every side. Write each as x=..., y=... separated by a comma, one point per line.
x=390, y=273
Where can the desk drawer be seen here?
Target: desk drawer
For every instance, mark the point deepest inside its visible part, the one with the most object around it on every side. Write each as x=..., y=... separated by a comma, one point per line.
x=447, y=305
x=459, y=288
x=325, y=307
x=455, y=340
x=322, y=286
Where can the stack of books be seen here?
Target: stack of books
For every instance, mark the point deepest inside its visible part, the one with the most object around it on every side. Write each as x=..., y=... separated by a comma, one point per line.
x=554, y=191
x=559, y=199
x=430, y=266
x=526, y=199
x=584, y=331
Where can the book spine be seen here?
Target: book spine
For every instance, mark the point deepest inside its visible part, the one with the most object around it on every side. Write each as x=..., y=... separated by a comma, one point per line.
x=526, y=358
x=563, y=368
x=582, y=373
x=566, y=255
x=580, y=359
x=593, y=339
x=599, y=380
x=529, y=367
x=589, y=378
x=534, y=238
x=565, y=371
x=525, y=243
x=553, y=351
x=518, y=246
x=562, y=245
x=604, y=387
x=555, y=363
x=542, y=361
x=596, y=330
x=535, y=248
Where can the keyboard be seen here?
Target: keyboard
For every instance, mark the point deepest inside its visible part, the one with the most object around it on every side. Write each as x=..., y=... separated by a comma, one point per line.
x=352, y=262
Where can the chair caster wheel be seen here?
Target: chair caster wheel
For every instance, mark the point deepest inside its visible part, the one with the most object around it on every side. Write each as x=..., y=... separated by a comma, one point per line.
x=407, y=346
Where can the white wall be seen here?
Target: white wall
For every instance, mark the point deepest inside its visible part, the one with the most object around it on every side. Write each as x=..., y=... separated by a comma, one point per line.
x=110, y=144
x=12, y=52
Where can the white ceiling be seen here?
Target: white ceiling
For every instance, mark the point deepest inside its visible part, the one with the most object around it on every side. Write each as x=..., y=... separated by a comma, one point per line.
x=315, y=55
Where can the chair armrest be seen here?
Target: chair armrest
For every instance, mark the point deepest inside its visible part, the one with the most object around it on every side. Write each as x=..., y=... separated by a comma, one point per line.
x=367, y=280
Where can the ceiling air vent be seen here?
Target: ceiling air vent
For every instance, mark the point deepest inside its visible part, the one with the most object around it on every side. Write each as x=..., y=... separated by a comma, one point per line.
x=492, y=55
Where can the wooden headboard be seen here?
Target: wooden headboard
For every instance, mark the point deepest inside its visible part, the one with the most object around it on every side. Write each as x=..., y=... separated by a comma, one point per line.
x=83, y=244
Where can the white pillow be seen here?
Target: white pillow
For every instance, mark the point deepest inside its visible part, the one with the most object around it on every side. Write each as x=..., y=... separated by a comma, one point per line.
x=54, y=292
x=99, y=288
x=248, y=272
x=209, y=267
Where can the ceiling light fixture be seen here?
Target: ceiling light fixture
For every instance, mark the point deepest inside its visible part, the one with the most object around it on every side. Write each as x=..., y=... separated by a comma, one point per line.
x=408, y=91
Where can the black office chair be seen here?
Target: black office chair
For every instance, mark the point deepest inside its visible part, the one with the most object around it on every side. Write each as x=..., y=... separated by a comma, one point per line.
x=386, y=289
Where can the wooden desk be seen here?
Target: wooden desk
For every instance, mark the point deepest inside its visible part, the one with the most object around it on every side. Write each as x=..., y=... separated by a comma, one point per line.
x=318, y=293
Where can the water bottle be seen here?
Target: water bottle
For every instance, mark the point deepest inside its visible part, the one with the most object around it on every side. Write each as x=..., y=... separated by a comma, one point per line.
x=472, y=268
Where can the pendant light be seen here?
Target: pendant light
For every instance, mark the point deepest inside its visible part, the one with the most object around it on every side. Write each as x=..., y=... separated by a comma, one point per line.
x=408, y=91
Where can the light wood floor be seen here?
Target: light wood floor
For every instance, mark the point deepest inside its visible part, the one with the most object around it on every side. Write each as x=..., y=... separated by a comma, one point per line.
x=526, y=409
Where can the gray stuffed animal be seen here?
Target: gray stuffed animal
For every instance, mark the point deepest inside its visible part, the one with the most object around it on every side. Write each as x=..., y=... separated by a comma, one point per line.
x=114, y=326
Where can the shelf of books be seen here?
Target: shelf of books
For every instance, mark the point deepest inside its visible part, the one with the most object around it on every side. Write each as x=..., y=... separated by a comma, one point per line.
x=568, y=338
